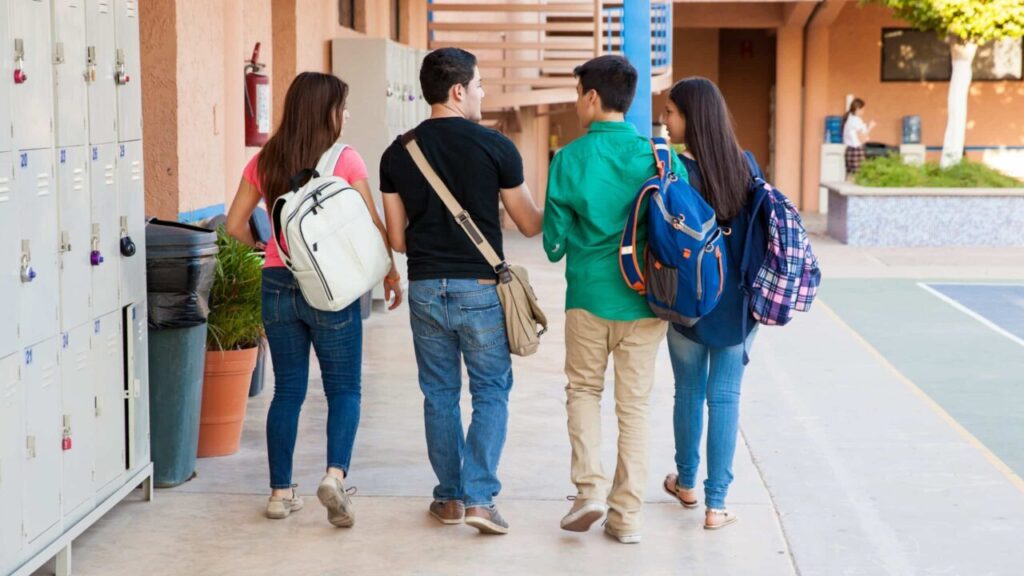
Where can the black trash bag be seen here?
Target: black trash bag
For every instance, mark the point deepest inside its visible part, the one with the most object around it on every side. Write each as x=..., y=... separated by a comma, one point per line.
x=179, y=291
x=181, y=262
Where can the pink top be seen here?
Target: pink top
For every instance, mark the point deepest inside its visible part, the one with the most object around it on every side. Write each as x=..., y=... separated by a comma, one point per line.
x=350, y=166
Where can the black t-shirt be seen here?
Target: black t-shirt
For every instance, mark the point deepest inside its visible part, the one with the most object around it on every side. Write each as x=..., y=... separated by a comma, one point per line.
x=475, y=162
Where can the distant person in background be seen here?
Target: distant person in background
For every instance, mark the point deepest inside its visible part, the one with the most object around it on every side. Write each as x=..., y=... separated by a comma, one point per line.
x=855, y=133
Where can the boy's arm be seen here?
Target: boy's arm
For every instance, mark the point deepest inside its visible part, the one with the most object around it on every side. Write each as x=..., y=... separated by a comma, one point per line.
x=558, y=214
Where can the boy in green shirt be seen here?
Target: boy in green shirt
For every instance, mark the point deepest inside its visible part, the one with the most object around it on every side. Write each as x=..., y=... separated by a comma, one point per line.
x=591, y=187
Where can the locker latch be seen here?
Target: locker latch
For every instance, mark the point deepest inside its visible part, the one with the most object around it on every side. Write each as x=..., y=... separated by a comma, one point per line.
x=65, y=440
x=95, y=256
x=121, y=76
x=20, y=76
x=90, y=64
x=65, y=241
x=28, y=273
x=127, y=245
x=30, y=447
x=58, y=53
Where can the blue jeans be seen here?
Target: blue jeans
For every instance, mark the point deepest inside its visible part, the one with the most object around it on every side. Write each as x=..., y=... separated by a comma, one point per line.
x=337, y=337
x=714, y=375
x=452, y=318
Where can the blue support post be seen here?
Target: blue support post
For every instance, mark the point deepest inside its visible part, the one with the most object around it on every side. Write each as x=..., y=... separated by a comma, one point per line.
x=636, y=39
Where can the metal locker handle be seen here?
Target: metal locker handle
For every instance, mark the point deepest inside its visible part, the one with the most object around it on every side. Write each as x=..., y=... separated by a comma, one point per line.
x=20, y=76
x=30, y=447
x=90, y=64
x=28, y=274
x=58, y=53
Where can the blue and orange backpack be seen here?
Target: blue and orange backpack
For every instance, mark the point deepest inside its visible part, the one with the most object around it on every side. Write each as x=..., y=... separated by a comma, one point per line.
x=683, y=270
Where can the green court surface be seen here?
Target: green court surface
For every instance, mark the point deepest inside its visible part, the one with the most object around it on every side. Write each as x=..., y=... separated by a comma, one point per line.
x=941, y=341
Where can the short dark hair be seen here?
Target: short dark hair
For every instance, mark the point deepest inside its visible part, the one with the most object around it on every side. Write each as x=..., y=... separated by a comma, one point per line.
x=444, y=68
x=613, y=77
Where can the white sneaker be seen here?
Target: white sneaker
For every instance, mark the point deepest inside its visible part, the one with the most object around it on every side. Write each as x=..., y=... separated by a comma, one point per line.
x=335, y=498
x=279, y=507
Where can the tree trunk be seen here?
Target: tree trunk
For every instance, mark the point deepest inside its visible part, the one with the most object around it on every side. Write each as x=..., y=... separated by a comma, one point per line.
x=959, y=89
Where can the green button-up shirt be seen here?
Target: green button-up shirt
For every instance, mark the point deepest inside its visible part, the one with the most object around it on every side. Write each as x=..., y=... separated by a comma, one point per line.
x=592, y=184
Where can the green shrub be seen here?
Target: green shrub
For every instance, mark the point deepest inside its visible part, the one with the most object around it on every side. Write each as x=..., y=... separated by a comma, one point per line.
x=235, y=320
x=891, y=172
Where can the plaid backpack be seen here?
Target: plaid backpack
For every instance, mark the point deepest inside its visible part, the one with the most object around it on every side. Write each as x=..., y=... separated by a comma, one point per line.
x=785, y=279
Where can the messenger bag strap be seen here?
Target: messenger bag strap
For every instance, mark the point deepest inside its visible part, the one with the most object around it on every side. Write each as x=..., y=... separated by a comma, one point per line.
x=463, y=218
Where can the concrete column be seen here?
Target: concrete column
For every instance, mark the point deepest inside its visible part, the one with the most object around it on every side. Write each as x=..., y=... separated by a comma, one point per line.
x=788, y=105
x=282, y=13
x=159, y=58
x=637, y=38
x=816, y=81
x=815, y=106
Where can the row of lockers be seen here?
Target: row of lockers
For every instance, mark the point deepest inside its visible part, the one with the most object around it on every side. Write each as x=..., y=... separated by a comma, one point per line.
x=69, y=73
x=81, y=402
x=74, y=402
x=72, y=238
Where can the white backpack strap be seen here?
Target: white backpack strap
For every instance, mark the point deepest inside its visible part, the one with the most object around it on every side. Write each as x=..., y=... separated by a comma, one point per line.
x=329, y=159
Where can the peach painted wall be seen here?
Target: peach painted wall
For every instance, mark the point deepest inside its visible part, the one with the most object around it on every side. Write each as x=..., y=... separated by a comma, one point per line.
x=995, y=109
x=201, y=104
x=157, y=31
x=233, y=55
x=746, y=76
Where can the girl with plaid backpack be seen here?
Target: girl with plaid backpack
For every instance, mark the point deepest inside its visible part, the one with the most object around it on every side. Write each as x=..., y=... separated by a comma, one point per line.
x=762, y=285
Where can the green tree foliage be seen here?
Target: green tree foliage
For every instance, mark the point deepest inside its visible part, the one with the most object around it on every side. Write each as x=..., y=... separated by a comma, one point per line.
x=966, y=21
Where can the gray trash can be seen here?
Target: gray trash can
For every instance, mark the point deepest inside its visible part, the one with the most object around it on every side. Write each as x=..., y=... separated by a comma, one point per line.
x=181, y=262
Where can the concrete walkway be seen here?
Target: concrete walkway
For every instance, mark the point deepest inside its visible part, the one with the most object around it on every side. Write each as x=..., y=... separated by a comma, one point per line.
x=866, y=473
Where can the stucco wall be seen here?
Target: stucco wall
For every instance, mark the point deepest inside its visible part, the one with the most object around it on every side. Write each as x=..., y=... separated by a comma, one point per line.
x=201, y=101
x=996, y=109
x=157, y=31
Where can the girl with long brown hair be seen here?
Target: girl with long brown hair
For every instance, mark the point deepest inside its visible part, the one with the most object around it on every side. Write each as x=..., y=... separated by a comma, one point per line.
x=314, y=115
x=708, y=358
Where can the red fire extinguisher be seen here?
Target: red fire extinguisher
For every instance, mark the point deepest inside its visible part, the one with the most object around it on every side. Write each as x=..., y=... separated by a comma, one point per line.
x=257, y=101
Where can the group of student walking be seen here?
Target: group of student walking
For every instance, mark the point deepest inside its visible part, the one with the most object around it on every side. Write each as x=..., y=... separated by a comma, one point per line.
x=455, y=313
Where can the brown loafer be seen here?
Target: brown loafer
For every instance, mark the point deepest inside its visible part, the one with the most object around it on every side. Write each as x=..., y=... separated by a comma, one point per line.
x=448, y=511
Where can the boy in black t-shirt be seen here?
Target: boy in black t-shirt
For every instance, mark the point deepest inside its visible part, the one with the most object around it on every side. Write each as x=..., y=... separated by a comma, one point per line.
x=453, y=299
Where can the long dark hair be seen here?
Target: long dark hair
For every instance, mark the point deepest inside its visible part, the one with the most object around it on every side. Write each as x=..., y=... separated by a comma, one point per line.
x=857, y=104
x=311, y=123
x=711, y=139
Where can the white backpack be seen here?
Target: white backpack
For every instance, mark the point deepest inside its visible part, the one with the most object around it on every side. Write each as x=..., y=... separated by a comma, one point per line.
x=334, y=249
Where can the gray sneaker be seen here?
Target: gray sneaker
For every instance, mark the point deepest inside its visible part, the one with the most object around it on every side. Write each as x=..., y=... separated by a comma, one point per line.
x=335, y=498
x=279, y=507
x=486, y=519
x=583, y=514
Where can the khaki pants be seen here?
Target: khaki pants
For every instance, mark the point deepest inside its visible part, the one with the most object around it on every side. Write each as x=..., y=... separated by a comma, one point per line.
x=634, y=345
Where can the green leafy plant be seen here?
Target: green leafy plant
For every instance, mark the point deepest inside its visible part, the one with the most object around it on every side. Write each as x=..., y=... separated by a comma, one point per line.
x=235, y=320
x=964, y=24
x=891, y=172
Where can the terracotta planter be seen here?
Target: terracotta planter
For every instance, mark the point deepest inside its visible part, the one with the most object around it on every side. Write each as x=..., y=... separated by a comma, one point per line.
x=226, y=381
